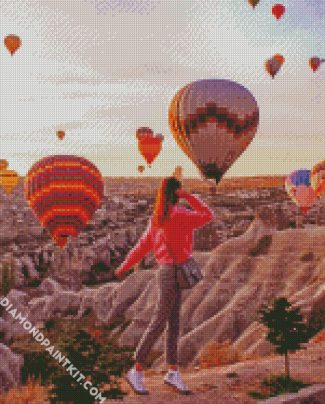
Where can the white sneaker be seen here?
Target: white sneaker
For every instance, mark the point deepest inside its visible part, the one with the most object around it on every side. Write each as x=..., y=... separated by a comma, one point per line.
x=135, y=379
x=174, y=379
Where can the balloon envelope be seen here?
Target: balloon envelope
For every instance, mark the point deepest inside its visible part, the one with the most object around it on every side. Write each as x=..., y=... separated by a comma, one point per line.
x=8, y=180
x=298, y=187
x=64, y=192
x=213, y=121
x=278, y=10
x=12, y=43
x=317, y=178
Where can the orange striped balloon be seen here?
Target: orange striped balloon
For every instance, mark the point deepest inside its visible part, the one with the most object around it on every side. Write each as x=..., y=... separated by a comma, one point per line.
x=64, y=193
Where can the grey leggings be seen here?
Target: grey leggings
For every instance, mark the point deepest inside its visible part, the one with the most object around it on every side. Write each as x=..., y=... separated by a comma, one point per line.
x=166, y=311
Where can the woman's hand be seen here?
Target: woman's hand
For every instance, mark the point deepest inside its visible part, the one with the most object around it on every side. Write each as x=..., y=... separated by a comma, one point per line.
x=119, y=275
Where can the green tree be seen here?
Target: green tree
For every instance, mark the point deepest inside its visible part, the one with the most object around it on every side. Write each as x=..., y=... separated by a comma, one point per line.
x=287, y=331
x=101, y=362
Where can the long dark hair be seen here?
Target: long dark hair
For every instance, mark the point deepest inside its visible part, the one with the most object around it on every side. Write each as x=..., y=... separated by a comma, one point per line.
x=166, y=196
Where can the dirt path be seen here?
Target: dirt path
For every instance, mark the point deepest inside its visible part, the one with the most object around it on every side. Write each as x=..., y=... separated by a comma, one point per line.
x=214, y=386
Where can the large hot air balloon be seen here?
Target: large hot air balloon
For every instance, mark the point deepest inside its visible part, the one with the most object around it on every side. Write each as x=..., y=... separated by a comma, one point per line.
x=8, y=180
x=253, y=3
x=64, y=192
x=12, y=43
x=298, y=187
x=60, y=134
x=317, y=178
x=278, y=10
x=273, y=65
x=149, y=144
x=213, y=121
x=3, y=164
x=315, y=62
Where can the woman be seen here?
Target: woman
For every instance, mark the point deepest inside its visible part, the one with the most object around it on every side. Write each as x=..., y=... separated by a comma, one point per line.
x=174, y=224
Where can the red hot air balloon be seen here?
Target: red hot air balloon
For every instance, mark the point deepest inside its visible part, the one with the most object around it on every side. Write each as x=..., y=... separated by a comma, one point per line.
x=60, y=134
x=273, y=65
x=12, y=43
x=64, y=192
x=149, y=144
x=315, y=62
x=278, y=10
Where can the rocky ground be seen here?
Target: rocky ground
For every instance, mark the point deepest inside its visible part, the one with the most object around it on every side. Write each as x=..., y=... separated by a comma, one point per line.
x=231, y=384
x=250, y=254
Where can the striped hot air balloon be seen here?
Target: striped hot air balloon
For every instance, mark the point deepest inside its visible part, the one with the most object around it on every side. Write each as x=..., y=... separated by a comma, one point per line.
x=64, y=192
x=213, y=121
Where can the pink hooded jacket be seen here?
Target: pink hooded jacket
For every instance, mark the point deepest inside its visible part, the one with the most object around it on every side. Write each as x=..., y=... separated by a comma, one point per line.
x=177, y=229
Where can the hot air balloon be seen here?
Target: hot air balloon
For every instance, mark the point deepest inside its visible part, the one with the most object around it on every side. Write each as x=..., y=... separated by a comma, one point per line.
x=12, y=43
x=60, y=134
x=315, y=62
x=298, y=187
x=8, y=180
x=253, y=3
x=141, y=169
x=278, y=10
x=64, y=192
x=149, y=145
x=317, y=178
x=3, y=164
x=213, y=121
x=273, y=65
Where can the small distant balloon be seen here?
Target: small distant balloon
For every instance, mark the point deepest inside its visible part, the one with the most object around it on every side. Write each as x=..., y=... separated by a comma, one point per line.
x=141, y=169
x=60, y=134
x=253, y=3
x=298, y=187
x=12, y=43
x=278, y=10
x=8, y=180
x=273, y=65
x=315, y=62
x=3, y=164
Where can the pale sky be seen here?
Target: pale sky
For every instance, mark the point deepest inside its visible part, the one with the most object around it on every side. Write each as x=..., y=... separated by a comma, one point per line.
x=99, y=69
